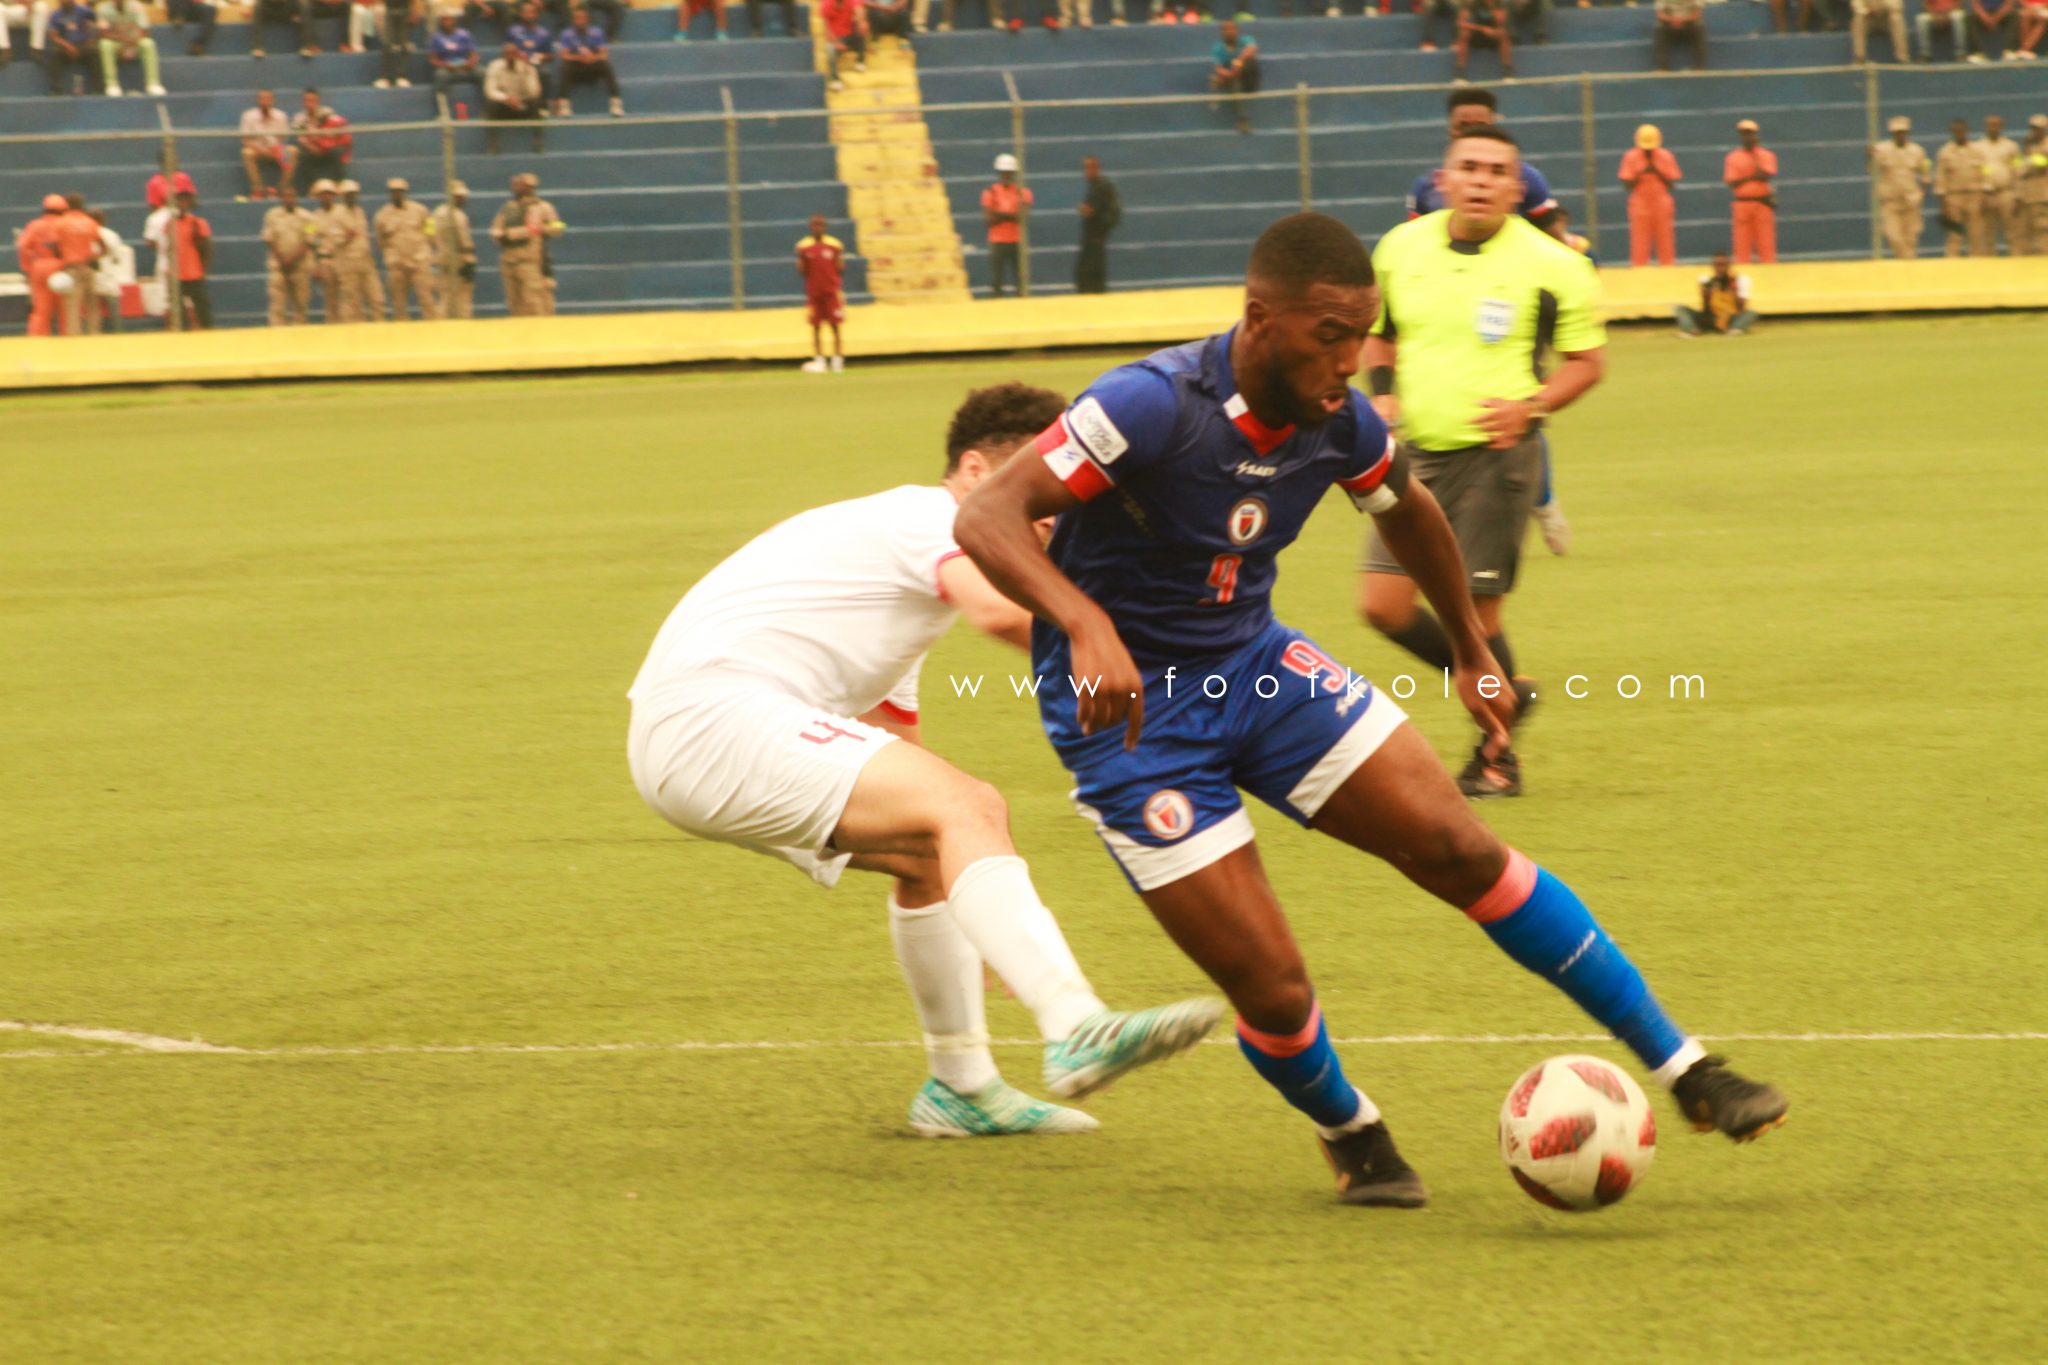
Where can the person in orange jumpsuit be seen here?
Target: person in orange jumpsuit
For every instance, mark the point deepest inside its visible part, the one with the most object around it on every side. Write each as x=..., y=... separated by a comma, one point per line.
x=1650, y=171
x=78, y=250
x=1751, y=172
x=37, y=247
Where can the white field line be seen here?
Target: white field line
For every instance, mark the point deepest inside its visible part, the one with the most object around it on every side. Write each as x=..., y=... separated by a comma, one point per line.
x=137, y=1043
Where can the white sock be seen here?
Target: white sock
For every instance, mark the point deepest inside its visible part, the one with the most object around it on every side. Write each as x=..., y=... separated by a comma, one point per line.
x=999, y=911
x=944, y=973
x=1681, y=1062
x=1368, y=1115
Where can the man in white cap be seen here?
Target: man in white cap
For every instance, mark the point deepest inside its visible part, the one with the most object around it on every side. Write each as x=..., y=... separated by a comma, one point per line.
x=356, y=294
x=405, y=234
x=1005, y=205
x=1901, y=170
x=455, y=254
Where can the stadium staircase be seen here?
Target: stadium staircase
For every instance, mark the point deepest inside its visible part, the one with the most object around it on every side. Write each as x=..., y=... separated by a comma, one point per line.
x=649, y=213
x=900, y=212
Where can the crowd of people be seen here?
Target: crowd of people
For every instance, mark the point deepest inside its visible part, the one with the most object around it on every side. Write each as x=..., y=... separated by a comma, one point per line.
x=399, y=262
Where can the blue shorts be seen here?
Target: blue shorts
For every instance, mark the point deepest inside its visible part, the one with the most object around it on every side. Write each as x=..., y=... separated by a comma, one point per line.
x=1278, y=719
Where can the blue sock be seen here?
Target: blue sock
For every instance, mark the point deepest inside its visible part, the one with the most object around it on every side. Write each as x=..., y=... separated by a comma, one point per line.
x=1304, y=1068
x=1549, y=930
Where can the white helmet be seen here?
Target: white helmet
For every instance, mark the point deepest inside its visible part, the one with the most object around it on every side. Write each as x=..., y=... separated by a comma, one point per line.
x=1006, y=162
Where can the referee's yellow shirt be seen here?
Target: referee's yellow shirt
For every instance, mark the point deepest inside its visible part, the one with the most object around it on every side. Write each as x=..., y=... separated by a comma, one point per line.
x=1472, y=321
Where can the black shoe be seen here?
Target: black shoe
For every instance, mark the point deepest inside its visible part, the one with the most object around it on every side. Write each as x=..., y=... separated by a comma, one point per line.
x=1489, y=778
x=1711, y=1096
x=1370, y=1170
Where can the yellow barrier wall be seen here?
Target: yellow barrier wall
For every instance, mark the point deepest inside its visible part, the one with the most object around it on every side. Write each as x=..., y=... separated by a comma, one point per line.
x=1155, y=317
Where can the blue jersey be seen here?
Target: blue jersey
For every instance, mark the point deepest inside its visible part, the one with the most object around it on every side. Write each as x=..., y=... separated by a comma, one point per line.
x=1187, y=498
x=1427, y=197
x=582, y=41
x=455, y=49
x=532, y=39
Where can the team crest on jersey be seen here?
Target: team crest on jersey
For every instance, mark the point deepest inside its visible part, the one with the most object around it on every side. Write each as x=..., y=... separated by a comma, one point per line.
x=1168, y=814
x=1090, y=425
x=1247, y=521
x=1496, y=318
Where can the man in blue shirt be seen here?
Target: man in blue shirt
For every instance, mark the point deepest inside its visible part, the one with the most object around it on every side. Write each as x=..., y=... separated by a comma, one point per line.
x=70, y=41
x=1234, y=68
x=535, y=44
x=1471, y=107
x=452, y=53
x=586, y=56
x=1166, y=684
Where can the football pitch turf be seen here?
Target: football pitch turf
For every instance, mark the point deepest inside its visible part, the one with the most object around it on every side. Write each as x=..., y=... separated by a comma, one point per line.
x=315, y=749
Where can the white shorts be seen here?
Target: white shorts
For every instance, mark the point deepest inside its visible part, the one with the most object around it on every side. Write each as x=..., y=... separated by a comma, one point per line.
x=726, y=756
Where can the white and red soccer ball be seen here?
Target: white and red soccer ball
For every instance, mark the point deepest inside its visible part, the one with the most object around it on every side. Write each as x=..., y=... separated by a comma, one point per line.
x=1577, y=1133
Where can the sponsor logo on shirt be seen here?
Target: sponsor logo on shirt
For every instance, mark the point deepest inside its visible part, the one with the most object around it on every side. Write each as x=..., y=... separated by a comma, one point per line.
x=1090, y=425
x=1257, y=471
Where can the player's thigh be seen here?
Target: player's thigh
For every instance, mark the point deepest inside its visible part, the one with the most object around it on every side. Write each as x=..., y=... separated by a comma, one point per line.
x=907, y=798
x=1227, y=920
x=1401, y=805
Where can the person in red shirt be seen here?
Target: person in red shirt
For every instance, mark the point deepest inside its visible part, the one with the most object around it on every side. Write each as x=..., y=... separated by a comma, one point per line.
x=846, y=29
x=1005, y=205
x=37, y=249
x=1750, y=171
x=821, y=260
x=194, y=236
x=78, y=249
x=1649, y=171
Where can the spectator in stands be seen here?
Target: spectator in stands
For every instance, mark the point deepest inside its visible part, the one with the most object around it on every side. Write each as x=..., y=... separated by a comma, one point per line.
x=821, y=265
x=1781, y=19
x=2034, y=187
x=1483, y=23
x=1750, y=172
x=1943, y=14
x=1005, y=206
x=328, y=9
x=455, y=254
x=1234, y=69
x=265, y=130
x=157, y=191
x=1431, y=11
x=512, y=94
x=394, y=22
x=537, y=45
x=1102, y=212
x=325, y=145
x=156, y=230
x=1649, y=171
x=586, y=56
x=1899, y=170
x=1865, y=14
x=452, y=55
x=296, y=13
x=68, y=46
x=289, y=235
x=1532, y=15
x=886, y=17
x=193, y=237
x=349, y=257
x=1724, y=303
x=686, y=10
x=405, y=234
x=1999, y=164
x=2033, y=25
x=1959, y=181
x=123, y=29
x=609, y=14
x=503, y=13
x=1987, y=18
x=846, y=31
x=1682, y=21
x=201, y=14
x=36, y=249
x=1077, y=13
x=522, y=230
x=789, y=21
x=78, y=249
x=114, y=273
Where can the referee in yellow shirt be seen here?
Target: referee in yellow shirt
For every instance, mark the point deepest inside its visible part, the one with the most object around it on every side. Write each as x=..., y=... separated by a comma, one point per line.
x=1472, y=297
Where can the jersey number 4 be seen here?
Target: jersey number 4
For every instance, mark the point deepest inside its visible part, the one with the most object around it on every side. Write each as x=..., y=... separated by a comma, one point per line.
x=1223, y=577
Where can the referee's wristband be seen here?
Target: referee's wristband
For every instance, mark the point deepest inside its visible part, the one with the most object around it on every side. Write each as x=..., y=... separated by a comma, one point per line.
x=1380, y=379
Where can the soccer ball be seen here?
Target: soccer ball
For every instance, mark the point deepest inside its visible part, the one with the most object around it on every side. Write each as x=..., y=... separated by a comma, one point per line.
x=1577, y=1133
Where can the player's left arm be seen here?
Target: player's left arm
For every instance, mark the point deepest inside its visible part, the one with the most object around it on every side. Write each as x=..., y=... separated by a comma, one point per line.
x=988, y=611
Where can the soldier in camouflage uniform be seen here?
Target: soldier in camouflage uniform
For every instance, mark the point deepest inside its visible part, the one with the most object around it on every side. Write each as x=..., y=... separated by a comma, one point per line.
x=1900, y=169
x=405, y=234
x=522, y=230
x=455, y=254
x=289, y=232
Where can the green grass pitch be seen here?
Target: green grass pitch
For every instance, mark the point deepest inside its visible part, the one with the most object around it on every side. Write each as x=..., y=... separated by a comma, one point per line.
x=315, y=747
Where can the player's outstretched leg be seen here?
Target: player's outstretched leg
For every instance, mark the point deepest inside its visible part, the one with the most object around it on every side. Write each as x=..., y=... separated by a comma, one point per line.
x=965, y=1095
x=1401, y=805
x=908, y=800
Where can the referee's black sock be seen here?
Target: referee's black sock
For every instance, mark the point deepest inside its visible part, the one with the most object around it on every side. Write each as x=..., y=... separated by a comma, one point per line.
x=1424, y=638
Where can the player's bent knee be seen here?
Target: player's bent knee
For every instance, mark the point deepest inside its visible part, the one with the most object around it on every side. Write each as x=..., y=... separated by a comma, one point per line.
x=1272, y=1001
x=1458, y=861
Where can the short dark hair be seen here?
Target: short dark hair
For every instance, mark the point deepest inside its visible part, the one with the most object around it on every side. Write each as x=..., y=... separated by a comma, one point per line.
x=1492, y=133
x=997, y=419
x=1466, y=95
x=1306, y=249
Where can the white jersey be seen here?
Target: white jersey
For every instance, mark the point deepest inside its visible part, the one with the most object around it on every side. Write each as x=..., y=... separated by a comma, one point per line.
x=835, y=607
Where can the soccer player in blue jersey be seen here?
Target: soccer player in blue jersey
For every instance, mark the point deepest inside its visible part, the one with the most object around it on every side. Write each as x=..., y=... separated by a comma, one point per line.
x=1176, y=481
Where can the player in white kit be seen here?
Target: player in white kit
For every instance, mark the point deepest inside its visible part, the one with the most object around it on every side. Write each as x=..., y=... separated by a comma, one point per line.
x=767, y=715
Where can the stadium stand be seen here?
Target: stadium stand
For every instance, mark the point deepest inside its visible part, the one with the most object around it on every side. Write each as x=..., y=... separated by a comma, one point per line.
x=647, y=202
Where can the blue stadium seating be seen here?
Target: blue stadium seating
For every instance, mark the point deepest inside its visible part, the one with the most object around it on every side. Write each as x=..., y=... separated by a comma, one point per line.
x=647, y=203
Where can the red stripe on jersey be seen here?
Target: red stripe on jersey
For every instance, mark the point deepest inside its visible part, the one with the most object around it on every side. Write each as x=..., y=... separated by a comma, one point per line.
x=939, y=583
x=1264, y=439
x=898, y=713
x=1374, y=477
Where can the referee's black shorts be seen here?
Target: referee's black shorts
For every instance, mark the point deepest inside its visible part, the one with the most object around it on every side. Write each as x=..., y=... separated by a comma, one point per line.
x=1487, y=495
